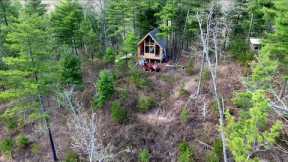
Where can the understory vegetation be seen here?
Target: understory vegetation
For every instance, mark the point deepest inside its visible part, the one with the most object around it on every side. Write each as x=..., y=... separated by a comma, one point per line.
x=73, y=86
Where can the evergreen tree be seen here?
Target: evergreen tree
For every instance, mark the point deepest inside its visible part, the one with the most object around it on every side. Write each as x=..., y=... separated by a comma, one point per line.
x=90, y=38
x=273, y=58
x=35, y=7
x=65, y=21
x=130, y=43
x=31, y=72
x=251, y=133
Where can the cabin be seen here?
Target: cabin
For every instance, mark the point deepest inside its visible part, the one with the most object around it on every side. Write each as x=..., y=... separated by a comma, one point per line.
x=152, y=48
x=255, y=44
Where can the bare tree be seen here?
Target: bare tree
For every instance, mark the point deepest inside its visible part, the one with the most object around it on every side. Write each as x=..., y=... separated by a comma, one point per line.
x=85, y=131
x=211, y=33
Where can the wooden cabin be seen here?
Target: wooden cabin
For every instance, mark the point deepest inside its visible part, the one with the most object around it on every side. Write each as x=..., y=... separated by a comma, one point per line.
x=152, y=48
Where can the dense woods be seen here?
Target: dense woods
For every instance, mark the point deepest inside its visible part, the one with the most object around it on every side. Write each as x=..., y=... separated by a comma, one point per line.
x=74, y=85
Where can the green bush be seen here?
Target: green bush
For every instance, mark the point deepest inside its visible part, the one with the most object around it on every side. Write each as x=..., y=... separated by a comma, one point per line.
x=118, y=113
x=6, y=146
x=206, y=74
x=105, y=88
x=240, y=51
x=183, y=91
x=145, y=103
x=71, y=156
x=109, y=56
x=212, y=157
x=139, y=79
x=144, y=155
x=71, y=70
x=35, y=148
x=185, y=153
x=22, y=141
x=9, y=122
x=184, y=115
x=190, y=67
x=242, y=100
x=216, y=153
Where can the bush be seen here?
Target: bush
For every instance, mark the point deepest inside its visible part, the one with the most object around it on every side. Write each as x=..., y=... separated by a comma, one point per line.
x=242, y=100
x=184, y=115
x=9, y=122
x=71, y=156
x=109, y=56
x=6, y=146
x=139, y=79
x=22, y=141
x=71, y=71
x=183, y=91
x=240, y=51
x=216, y=153
x=190, y=67
x=206, y=74
x=35, y=149
x=105, y=88
x=118, y=113
x=144, y=155
x=212, y=157
x=145, y=103
x=185, y=153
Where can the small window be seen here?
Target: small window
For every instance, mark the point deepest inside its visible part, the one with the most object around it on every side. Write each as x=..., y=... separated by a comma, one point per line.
x=157, y=50
x=151, y=49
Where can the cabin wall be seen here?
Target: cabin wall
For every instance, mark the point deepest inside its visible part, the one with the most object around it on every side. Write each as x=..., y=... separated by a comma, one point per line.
x=145, y=53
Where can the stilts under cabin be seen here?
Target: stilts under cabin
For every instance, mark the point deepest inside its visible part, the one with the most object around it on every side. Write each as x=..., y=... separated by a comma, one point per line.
x=152, y=48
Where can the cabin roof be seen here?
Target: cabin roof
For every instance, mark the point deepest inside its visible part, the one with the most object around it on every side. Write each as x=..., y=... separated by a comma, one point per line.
x=154, y=34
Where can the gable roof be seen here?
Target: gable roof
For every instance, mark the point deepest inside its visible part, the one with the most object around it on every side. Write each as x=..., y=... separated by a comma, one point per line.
x=154, y=34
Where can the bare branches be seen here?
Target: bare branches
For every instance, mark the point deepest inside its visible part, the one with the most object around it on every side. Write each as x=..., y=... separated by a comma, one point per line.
x=210, y=42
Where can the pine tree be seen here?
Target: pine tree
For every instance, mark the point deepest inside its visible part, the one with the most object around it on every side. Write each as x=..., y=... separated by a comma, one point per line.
x=251, y=133
x=35, y=7
x=273, y=58
x=65, y=23
x=31, y=72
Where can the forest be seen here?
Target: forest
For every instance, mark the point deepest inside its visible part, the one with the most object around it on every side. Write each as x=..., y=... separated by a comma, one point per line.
x=144, y=80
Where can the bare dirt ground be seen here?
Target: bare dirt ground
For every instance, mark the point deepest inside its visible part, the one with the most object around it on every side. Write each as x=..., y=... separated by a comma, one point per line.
x=160, y=130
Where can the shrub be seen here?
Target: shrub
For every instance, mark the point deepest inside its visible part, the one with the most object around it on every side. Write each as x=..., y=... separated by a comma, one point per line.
x=6, y=146
x=105, y=88
x=190, y=67
x=242, y=100
x=35, y=149
x=144, y=155
x=118, y=113
x=9, y=122
x=71, y=71
x=212, y=157
x=240, y=51
x=109, y=56
x=206, y=74
x=216, y=153
x=22, y=141
x=218, y=148
x=183, y=91
x=145, y=103
x=71, y=156
x=184, y=115
x=139, y=79
x=185, y=153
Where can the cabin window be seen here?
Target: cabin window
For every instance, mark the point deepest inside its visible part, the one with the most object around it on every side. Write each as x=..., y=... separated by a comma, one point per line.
x=151, y=49
x=149, y=45
x=157, y=50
